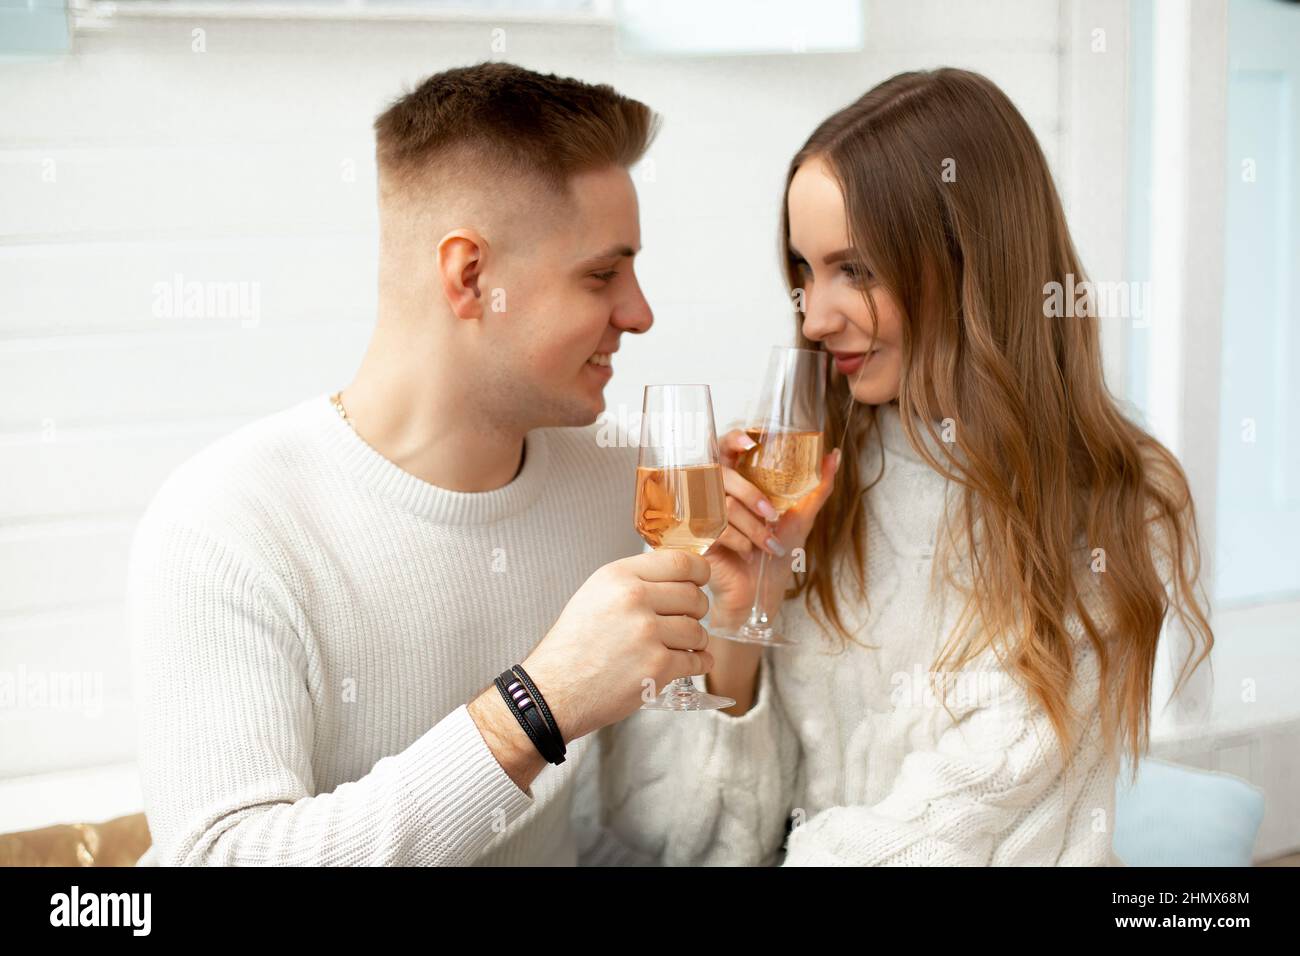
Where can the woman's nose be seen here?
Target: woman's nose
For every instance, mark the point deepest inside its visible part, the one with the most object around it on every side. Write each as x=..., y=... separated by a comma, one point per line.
x=820, y=318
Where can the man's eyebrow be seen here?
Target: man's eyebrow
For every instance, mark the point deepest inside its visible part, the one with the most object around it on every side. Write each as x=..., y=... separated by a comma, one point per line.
x=613, y=252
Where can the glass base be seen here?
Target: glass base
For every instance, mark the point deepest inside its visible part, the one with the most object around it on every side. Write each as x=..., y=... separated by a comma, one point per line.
x=677, y=697
x=755, y=634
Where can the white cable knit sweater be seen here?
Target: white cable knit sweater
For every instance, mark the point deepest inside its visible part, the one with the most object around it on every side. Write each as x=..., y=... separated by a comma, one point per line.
x=847, y=747
x=308, y=622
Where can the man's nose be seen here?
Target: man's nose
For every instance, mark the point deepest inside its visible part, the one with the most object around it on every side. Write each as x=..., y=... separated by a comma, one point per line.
x=634, y=314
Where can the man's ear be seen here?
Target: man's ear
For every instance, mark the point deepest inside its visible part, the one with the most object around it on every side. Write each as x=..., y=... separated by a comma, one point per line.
x=462, y=255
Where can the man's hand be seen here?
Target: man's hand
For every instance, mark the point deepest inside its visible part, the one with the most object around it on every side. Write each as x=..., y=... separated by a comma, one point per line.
x=633, y=620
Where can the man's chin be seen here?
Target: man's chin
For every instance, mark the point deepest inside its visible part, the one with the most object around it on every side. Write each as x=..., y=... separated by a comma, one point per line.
x=593, y=410
x=595, y=404
x=576, y=412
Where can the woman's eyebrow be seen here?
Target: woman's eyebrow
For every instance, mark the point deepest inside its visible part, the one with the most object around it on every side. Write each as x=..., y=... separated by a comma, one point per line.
x=832, y=258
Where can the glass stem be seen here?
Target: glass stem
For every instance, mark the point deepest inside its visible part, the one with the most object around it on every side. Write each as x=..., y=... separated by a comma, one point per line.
x=757, y=615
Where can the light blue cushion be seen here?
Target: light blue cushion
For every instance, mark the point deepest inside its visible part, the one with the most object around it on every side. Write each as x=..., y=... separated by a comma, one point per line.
x=1181, y=816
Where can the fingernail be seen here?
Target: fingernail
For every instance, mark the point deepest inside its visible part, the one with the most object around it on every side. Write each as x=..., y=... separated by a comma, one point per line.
x=749, y=556
x=765, y=508
x=835, y=465
x=775, y=547
x=747, y=443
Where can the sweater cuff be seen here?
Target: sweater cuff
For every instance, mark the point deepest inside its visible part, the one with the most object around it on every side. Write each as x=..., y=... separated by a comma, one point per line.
x=738, y=748
x=461, y=790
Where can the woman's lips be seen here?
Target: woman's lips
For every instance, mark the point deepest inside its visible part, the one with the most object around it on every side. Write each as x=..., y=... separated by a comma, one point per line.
x=849, y=362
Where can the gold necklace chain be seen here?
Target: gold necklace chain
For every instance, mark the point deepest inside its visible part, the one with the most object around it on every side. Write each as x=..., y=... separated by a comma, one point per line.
x=337, y=401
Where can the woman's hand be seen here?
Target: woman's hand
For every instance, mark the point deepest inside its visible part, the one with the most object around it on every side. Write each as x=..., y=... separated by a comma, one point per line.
x=752, y=527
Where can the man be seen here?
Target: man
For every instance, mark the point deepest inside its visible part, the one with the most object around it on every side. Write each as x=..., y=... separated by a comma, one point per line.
x=320, y=601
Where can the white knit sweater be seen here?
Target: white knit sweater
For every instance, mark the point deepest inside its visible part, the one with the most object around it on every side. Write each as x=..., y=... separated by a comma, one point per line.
x=308, y=623
x=847, y=748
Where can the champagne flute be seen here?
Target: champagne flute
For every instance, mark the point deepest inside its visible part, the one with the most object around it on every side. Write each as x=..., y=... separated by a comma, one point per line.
x=680, y=501
x=785, y=463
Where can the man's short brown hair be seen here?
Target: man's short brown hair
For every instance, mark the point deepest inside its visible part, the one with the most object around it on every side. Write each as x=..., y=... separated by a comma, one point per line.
x=505, y=119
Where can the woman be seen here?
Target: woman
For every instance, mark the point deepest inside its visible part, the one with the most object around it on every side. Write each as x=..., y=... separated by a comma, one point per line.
x=979, y=599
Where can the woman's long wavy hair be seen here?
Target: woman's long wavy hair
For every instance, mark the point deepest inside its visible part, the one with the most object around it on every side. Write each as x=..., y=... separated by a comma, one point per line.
x=951, y=205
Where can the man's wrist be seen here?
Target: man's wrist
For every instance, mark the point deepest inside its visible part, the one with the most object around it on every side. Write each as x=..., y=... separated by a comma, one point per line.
x=512, y=748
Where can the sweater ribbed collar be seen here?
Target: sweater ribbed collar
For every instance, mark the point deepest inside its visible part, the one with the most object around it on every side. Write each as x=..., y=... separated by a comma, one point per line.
x=890, y=424
x=442, y=506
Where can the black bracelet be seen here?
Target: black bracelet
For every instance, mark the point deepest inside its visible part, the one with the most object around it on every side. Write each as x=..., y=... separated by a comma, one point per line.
x=533, y=726
x=504, y=682
x=525, y=711
x=556, y=736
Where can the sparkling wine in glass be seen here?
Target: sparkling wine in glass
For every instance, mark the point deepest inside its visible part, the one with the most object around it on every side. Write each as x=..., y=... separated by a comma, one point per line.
x=785, y=462
x=680, y=501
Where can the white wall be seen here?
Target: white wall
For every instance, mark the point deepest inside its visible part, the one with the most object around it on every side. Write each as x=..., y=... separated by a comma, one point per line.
x=229, y=165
